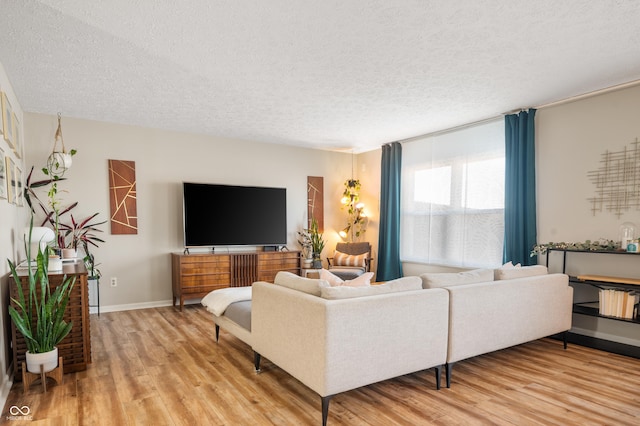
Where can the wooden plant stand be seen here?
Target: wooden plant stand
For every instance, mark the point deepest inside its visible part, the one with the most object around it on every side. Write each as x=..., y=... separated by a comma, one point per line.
x=28, y=378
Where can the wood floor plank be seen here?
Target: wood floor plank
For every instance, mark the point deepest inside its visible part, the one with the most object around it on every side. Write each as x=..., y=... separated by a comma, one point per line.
x=163, y=367
x=98, y=402
x=147, y=411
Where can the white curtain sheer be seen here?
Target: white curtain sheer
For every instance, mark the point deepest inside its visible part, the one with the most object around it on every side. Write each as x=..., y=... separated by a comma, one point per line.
x=453, y=197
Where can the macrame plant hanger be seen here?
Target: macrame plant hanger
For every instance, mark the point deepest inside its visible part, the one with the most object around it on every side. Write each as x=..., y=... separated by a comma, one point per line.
x=59, y=161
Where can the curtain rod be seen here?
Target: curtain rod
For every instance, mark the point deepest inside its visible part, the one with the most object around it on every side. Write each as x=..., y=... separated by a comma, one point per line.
x=451, y=129
x=547, y=105
x=591, y=94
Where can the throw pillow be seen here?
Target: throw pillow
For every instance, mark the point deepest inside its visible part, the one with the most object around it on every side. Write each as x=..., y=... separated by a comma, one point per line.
x=448, y=279
x=363, y=280
x=296, y=282
x=335, y=281
x=398, y=285
x=343, y=259
x=332, y=279
x=524, y=271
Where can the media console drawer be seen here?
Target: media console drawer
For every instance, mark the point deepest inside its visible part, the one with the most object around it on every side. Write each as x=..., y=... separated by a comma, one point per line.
x=195, y=275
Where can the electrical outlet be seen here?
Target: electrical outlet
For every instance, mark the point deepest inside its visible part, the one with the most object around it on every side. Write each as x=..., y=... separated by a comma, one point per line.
x=114, y=282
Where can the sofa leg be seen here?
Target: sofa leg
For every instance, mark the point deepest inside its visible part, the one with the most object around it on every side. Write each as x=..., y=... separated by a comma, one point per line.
x=448, y=367
x=325, y=409
x=217, y=332
x=438, y=374
x=565, y=335
x=256, y=361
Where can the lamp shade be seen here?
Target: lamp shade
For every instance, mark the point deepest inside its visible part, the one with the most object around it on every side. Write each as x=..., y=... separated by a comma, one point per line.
x=345, y=232
x=40, y=236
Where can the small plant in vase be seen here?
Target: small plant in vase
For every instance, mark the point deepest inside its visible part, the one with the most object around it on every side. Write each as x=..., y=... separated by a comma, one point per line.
x=304, y=239
x=317, y=244
x=39, y=314
x=80, y=234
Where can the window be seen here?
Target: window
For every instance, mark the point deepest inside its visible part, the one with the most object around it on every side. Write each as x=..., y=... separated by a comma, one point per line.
x=453, y=197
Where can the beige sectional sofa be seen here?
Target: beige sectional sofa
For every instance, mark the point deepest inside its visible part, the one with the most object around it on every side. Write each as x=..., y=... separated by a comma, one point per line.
x=334, y=339
x=487, y=315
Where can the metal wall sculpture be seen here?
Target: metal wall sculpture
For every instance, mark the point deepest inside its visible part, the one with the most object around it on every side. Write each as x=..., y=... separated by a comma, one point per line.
x=617, y=181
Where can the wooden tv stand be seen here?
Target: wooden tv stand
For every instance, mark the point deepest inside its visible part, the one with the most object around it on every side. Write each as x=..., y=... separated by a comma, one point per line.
x=196, y=275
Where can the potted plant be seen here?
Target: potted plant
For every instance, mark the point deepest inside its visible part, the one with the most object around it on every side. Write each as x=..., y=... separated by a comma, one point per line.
x=317, y=243
x=39, y=314
x=307, y=249
x=78, y=234
x=92, y=267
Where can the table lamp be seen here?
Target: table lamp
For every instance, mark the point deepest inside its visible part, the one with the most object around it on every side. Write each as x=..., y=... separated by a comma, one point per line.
x=40, y=237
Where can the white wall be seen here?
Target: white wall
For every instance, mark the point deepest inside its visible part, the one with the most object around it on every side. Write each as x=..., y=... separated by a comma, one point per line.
x=571, y=139
x=12, y=221
x=163, y=161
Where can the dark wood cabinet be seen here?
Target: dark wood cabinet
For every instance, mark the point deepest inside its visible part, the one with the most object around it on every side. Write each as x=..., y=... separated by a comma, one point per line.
x=270, y=263
x=195, y=275
x=75, y=349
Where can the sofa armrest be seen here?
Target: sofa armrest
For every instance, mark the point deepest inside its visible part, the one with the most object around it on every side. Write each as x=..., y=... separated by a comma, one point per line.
x=336, y=345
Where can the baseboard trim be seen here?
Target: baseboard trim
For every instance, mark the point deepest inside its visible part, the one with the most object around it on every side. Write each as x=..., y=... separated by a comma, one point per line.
x=131, y=306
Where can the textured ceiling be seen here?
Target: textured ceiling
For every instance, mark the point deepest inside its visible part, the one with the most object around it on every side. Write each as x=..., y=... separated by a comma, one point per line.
x=326, y=74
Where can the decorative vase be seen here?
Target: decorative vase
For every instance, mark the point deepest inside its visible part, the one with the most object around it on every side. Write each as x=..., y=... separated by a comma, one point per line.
x=48, y=360
x=317, y=262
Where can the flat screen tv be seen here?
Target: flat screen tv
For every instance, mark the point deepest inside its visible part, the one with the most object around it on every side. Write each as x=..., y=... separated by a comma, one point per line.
x=228, y=215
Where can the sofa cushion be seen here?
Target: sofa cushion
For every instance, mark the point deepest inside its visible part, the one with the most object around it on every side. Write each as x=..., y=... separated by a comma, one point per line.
x=345, y=292
x=296, y=282
x=332, y=279
x=514, y=272
x=344, y=259
x=335, y=281
x=448, y=279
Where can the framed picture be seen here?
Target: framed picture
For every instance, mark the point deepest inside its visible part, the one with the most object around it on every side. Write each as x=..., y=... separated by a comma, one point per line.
x=19, y=195
x=17, y=136
x=3, y=176
x=10, y=170
x=7, y=120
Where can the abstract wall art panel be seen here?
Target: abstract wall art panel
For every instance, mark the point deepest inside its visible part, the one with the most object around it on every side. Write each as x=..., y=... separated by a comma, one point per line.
x=122, y=197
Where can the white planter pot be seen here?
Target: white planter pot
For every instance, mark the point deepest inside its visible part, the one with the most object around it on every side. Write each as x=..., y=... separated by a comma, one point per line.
x=55, y=263
x=49, y=361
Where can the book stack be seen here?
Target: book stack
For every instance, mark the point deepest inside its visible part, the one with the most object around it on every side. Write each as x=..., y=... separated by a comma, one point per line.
x=618, y=303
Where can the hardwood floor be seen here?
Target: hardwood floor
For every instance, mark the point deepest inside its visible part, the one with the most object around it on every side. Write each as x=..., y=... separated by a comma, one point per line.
x=163, y=367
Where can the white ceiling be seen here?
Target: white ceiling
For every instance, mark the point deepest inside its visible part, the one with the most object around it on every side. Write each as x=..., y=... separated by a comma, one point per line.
x=330, y=74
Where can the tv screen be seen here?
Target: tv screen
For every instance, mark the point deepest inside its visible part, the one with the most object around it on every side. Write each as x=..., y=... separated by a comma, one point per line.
x=227, y=215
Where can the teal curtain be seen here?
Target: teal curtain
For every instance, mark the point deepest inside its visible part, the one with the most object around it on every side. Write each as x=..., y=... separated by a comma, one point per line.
x=520, y=188
x=389, y=265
